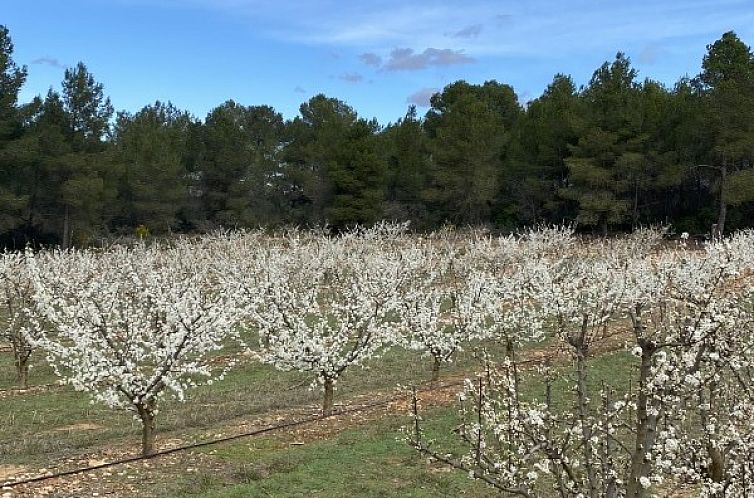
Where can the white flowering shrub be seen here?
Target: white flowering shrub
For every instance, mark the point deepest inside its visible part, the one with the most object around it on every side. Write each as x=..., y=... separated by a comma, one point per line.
x=708, y=436
x=444, y=305
x=134, y=325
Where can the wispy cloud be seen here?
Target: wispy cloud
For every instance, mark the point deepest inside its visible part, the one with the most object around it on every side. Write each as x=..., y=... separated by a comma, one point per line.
x=537, y=28
x=405, y=59
x=422, y=97
x=471, y=31
x=351, y=77
x=48, y=61
x=371, y=59
x=299, y=89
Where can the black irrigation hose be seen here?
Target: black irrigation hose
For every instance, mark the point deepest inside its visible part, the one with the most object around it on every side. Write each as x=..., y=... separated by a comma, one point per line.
x=257, y=432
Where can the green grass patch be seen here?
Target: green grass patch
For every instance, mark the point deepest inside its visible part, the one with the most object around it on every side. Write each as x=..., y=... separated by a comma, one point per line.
x=368, y=461
x=40, y=426
x=371, y=460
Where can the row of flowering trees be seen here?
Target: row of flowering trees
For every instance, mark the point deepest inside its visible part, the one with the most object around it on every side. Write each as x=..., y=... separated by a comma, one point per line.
x=686, y=315
x=133, y=325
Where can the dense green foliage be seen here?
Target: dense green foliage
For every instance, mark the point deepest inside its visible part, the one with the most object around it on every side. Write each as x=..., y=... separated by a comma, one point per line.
x=613, y=154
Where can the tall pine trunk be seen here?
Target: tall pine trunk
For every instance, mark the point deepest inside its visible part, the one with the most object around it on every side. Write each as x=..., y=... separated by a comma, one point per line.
x=66, y=230
x=723, y=207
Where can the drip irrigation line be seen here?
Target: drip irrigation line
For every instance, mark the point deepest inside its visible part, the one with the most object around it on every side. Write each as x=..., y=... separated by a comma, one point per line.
x=257, y=432
x=202, y=444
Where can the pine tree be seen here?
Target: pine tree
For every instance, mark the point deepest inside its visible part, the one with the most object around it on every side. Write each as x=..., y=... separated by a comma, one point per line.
x=407, y=158
x=468, y=127
x=535, y=166
x=149, y=148
x=727, y=80
x=332, y=162
x=602, y=164
x=12, y=78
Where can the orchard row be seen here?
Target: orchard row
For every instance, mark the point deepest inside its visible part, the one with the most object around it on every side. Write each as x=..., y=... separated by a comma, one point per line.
x=132, y=325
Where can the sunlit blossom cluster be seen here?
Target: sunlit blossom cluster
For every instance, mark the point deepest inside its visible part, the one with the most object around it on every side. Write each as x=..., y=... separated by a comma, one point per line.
x=131, y=325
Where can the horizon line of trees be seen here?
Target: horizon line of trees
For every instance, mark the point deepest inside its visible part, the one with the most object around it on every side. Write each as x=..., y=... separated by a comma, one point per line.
x=611, y=155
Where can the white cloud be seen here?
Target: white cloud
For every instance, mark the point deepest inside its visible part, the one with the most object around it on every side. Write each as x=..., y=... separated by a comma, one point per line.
x=422, y=97
x=351, y=77
x=471, y=31
x=405, y=59
x=371, y=59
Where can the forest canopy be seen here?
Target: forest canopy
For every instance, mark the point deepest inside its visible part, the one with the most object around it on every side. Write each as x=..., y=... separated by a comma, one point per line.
x=614, y=154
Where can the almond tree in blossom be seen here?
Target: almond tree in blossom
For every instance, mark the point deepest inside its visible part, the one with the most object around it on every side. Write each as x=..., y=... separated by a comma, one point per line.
x=323, y=305
x=132, y=325
x=689, y=317
x=442, y=308
x=15, y=299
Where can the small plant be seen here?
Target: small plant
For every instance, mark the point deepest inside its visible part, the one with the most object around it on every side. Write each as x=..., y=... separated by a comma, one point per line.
x=142, y=232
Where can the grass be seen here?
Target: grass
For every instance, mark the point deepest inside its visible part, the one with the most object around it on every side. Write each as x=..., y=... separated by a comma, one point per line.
x=40, y=373
x=41, y=426
x=367, y=461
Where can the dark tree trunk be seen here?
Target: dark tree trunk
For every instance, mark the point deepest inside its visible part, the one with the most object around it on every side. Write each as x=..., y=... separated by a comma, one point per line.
x=716, y=468
x=66, y=230
x=436, y=363
x=146, y=414
x=22, y=371
x=583, y=407
x=723, y=207
x=327, y=404
x=646, y=428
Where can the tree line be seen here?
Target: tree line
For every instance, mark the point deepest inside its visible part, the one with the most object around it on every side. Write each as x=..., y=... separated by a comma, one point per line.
x=611, y=155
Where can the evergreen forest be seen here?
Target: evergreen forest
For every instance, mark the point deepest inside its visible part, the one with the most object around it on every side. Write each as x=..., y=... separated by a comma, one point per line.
x=616, y=153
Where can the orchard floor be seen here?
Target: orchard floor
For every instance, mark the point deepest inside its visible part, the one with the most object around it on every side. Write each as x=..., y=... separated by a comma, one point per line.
x=48, y=429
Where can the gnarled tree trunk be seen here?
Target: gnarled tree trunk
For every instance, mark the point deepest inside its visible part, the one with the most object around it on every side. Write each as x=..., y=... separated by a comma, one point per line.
x=147, y=416
x=646, y=424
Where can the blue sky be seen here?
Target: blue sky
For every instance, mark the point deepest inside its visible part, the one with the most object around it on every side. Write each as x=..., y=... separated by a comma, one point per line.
x=377, y=56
